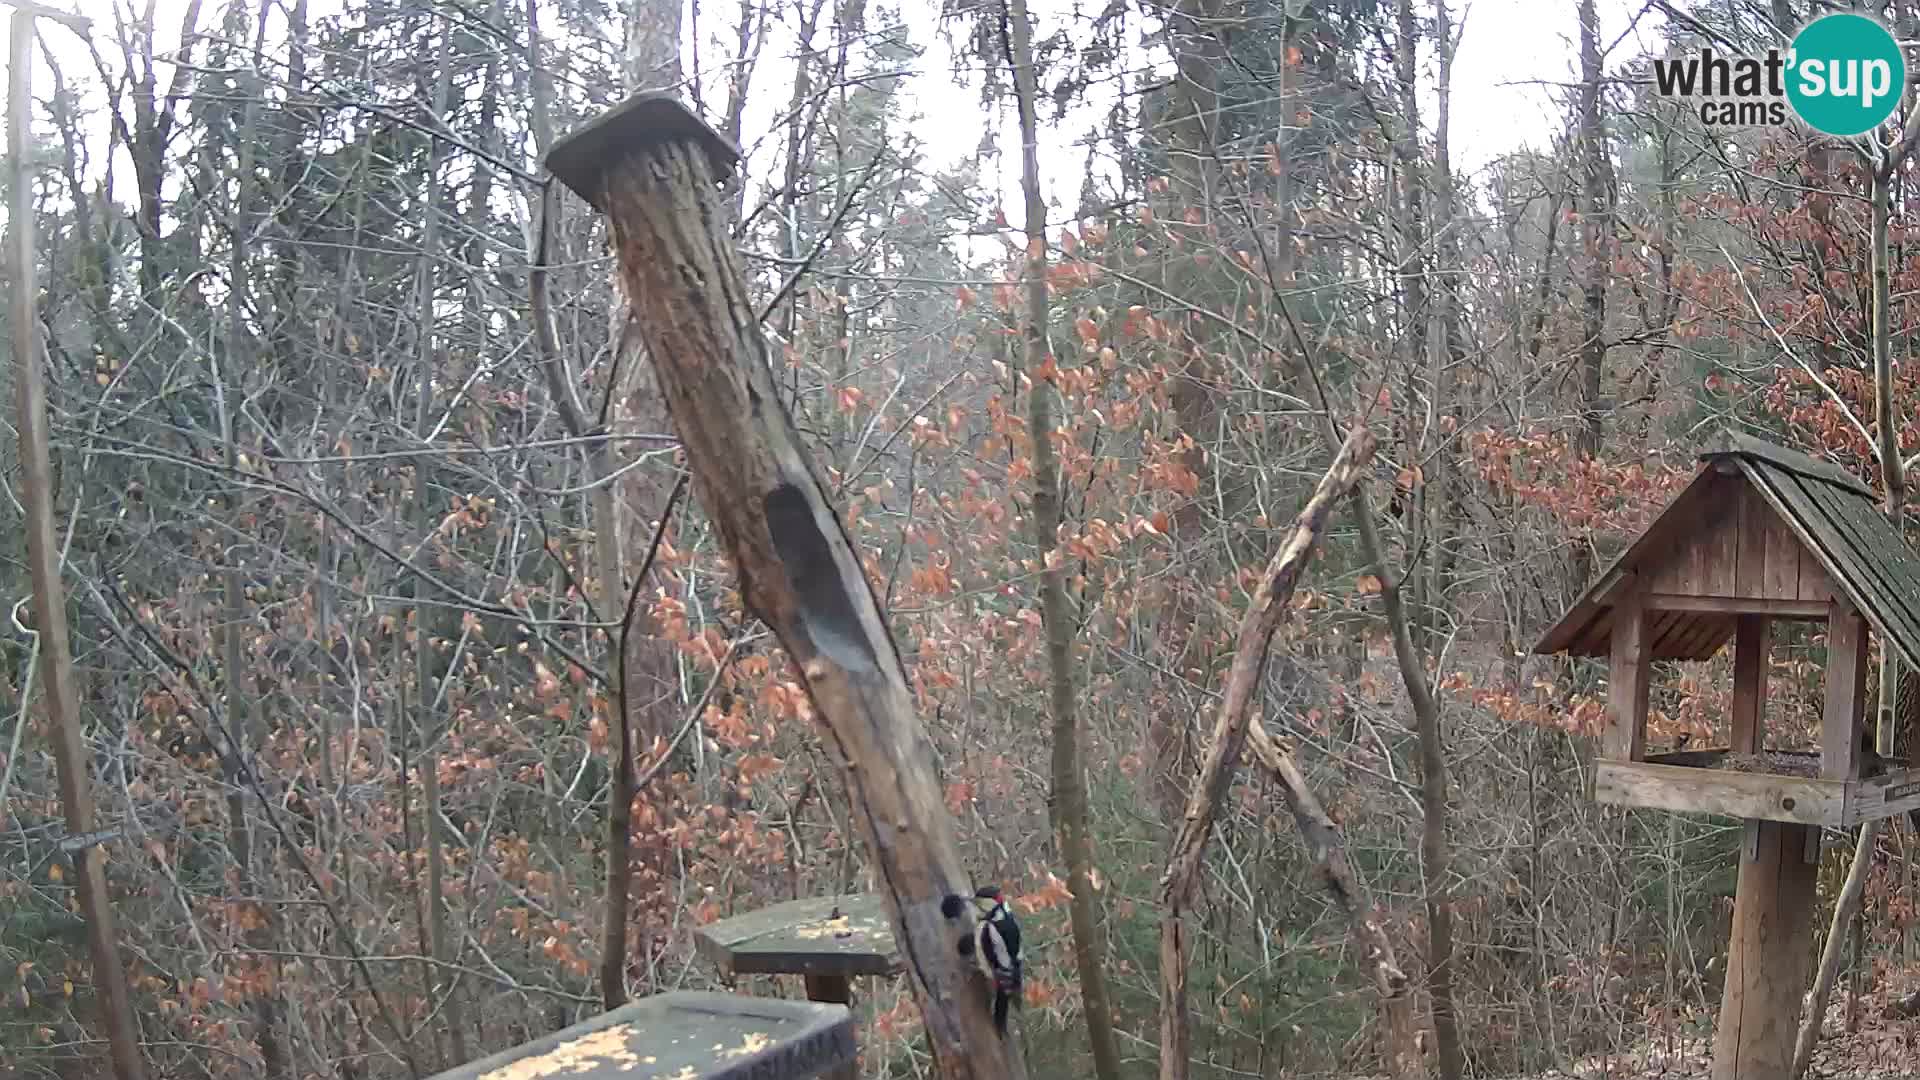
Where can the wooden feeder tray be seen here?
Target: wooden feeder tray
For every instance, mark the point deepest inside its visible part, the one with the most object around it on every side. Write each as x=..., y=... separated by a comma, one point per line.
x=685, y=1035
x=1775, y=785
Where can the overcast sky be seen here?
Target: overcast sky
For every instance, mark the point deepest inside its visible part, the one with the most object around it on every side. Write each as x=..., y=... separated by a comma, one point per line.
x=1515, y=60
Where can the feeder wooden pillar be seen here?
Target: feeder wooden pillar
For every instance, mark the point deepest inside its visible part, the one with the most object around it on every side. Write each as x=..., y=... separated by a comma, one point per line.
x=1768, y=954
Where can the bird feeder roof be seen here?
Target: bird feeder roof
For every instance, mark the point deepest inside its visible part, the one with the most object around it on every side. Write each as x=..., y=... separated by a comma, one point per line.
x=1830, y=517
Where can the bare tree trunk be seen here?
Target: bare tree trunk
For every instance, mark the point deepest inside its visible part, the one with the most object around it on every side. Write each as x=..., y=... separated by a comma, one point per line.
x=243, y=732
x=43, y=560
x=798, y=570
x=1069, y=801
x=1892, y=476
x=429, y=667
x=1264, y=615
x=642, y=702
x=1596, y=224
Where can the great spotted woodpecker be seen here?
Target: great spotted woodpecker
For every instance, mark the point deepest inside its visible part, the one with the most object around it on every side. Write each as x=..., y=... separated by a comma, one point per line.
x=993, y=944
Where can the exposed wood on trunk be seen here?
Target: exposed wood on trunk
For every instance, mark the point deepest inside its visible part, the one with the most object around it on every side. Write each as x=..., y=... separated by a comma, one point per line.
x=653, y=170
x=1264, y=614
x=43, y=561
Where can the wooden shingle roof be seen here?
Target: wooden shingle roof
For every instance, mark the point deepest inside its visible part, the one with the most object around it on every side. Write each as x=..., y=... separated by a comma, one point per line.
x=1830, y=512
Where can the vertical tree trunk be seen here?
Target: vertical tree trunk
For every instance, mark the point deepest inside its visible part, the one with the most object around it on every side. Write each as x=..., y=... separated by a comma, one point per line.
x=1893, y=478
x=430, y=667
x=244, y=732
x=43, y=560
x=1069, y=791
x=1441, y=486
x=641, y=696
x=1596, y=225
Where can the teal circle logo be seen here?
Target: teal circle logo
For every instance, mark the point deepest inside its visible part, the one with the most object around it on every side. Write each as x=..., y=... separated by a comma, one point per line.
x=1847, y=74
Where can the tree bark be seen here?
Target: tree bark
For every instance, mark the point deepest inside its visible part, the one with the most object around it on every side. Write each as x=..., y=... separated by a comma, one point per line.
x=653, y=169
x=1069, y=802
x=1268, y=608
x=244, y=732
x=1893, y=478
x=43, y=560
x=1322, y=838
x=1596, y=225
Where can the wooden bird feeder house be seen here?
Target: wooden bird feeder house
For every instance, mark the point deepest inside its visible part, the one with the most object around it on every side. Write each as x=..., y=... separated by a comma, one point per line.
x=1761, y=534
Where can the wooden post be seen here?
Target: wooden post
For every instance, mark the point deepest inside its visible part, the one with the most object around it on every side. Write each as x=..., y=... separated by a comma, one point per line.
x=1842, y=724
x=1752, y=640
x=43, y=560
x=654, y=170
x=834, y=990
x=1767, y=957
x=1627, y=681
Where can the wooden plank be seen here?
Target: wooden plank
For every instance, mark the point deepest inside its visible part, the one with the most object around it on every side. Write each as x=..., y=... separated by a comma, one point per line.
x=827, y=935
x=1816, y=585
x=1752, y=643
x=1804, y=512
x=1782, y=557
x=1719, y=539
x=1662, y=628
x=1767, y=958
x=1629, y=668
x=837, y=990
x=1841, y=722
x=1882, y=796
x=1724, y=792
x=1686, y=567
x=1847, y=536
x=685, y=1035
x=1750, y=541
x=1705, y=636
x=1738, y=605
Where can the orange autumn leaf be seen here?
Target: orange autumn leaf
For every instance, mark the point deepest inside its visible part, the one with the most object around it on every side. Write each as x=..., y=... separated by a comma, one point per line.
x=1050, y=895
x=1088, y=330
x=754, y=766
x=1367, y=585
x=959, y=794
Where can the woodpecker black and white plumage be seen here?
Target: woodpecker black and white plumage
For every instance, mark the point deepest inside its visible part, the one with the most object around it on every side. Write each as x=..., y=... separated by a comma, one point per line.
x=994, y=944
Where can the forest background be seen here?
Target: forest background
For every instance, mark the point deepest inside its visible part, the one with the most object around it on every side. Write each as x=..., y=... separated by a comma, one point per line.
x=354, y=555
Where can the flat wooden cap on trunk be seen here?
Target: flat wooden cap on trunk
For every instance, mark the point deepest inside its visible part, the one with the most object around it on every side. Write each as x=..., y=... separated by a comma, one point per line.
x=645, y=119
